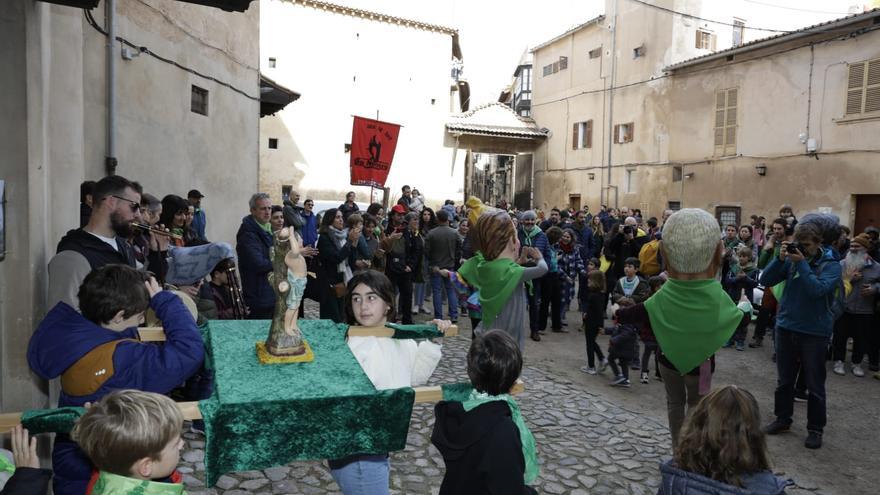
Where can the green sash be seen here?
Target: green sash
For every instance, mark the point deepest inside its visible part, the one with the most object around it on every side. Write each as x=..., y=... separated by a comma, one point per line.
x=496, y=280
x=529, y=450
x=113, y=484
x=691, y=320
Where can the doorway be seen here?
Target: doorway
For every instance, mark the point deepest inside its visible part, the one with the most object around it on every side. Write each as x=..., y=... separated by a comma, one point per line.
x=574, y=202
x=867, y=212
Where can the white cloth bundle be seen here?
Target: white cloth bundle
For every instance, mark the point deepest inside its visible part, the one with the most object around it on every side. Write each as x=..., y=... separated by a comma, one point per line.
x=395, y=363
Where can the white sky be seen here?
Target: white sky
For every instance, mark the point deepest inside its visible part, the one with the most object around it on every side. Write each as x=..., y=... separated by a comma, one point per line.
x=494, y=33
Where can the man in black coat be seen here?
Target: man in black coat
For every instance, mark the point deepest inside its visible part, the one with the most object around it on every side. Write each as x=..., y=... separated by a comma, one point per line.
x=253, y=242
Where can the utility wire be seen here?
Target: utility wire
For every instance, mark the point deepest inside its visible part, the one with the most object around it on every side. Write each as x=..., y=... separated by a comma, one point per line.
x=142, y=49
x=683, y=14
x=795, y=8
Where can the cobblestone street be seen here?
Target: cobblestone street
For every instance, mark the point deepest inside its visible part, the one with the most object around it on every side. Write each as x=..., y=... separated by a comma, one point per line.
x=587, y=442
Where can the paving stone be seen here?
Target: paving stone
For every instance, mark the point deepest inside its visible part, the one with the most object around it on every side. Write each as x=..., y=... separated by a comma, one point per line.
x=277, y=473
x=226, y=483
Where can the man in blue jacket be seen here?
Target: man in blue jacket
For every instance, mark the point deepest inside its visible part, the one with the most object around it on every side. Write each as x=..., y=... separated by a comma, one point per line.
x=199, y=221
x=803, y=325
x=99, y=351
x=530, y=235
x=253, y=242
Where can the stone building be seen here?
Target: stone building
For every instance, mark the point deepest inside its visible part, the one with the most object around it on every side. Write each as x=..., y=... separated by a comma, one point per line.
x=369, y=64
x=663, y=107
x=185, y=114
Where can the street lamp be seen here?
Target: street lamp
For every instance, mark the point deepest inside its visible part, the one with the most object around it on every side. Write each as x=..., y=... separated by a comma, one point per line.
x=591, y=176
x=762, y=169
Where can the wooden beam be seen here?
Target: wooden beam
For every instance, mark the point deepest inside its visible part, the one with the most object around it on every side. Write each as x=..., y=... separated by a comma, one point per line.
x=190, y=410
x=156, y=334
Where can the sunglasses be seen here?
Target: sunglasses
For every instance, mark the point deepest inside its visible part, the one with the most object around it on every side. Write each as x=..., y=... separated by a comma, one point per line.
x=135, y=206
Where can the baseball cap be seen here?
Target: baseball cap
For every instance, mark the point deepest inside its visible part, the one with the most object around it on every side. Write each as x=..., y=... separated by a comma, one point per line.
x=399, y=208
x=194, y=193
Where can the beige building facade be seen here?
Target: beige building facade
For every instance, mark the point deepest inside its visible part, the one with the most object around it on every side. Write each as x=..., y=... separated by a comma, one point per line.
x=346, y=62
x=54, y=120
x=783, y=134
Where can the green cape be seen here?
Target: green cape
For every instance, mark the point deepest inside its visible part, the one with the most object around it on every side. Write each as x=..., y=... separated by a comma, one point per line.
x=691, y=320
x=113, y=484
x=496, y=280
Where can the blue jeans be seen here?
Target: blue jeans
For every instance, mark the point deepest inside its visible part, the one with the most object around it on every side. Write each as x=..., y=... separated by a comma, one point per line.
x=368, y=475
x=419, y=293
x=440, y=284
x=795, y=351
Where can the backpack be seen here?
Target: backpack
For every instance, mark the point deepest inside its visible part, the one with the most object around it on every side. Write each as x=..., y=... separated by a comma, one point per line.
x=648, y=258
x=838, y=303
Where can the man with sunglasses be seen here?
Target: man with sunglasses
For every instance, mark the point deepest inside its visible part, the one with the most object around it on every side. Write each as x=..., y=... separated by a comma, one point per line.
x=102, y=241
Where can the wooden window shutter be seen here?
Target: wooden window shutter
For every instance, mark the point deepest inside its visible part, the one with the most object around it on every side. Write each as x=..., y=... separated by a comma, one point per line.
x=630, y=130
x=855, y=88
x=720, y=108
x=712, y=38
x=872, y=88
x=589, y=133
x=699, y=39
x=574, y=136
x=617, y=134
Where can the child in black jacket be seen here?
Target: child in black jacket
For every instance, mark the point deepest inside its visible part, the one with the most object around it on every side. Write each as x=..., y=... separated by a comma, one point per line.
x=484, y=441
x=594, y=320
x=621, y=352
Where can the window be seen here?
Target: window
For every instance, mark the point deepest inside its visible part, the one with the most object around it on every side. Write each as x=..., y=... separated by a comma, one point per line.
x=630, y=181
x=676, y=174
x=639, y=51
x=705, y=40
x=727, y=215
x=525, y=112
x=739, y=31
x=526, y=80
x=557, y=66
x=199, y=101
x=272, y=62
x=673, y=205
x=596, y=52
x=725, y=122
x=273, y=143
x=582, y=135
x=863, y=88
x=285, y=192
x=623, y=133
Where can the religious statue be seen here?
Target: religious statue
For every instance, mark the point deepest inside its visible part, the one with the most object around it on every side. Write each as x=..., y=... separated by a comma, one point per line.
x=288, y=280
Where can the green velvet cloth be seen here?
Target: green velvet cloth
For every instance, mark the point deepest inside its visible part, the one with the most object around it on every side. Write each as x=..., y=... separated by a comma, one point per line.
x=457, y=392
x=420, y=331
x=59, y=420
x=261, y=416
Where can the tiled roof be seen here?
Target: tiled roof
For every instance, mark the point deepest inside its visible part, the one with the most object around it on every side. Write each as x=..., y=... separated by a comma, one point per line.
x=575, y=29
x=375, y=16
x=495, y=119
x=779, y=38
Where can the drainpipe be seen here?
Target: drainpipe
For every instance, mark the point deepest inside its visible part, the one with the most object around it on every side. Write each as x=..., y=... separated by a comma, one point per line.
x=110, y=159
x=611, y=102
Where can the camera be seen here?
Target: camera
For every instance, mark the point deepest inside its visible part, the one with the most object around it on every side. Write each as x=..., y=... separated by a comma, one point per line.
x=793, y=247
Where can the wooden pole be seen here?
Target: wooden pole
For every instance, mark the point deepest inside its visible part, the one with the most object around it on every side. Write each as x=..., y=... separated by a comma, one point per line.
x=190, y=410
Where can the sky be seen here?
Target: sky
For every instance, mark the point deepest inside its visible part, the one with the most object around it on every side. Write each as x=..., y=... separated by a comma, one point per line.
x=494, y=34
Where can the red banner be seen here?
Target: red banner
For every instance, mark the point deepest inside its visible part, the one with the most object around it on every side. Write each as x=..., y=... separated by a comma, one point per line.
x=372, y=149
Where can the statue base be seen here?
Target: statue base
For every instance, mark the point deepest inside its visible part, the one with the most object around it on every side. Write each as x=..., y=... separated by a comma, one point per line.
x=266, y=357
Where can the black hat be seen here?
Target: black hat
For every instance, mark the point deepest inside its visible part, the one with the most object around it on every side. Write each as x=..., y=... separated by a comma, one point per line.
x=194, y=193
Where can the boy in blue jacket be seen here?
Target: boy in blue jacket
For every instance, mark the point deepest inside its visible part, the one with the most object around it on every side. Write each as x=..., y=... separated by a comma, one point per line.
x=99, y=351
x=803, y=325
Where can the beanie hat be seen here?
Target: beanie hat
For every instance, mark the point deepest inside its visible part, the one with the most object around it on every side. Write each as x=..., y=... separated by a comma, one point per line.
x=862, y=240
x=529, y=215
x=690, y=240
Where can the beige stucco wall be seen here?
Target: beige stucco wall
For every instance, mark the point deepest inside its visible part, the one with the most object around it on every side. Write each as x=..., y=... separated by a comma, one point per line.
x=362, y=66
x=674, y=117
x=53, y=127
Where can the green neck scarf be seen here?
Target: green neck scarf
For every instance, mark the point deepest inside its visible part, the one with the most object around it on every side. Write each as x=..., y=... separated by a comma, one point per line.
x=531, y=234
x=691, y=320
x=529, y=450
x=266, y=226
x=113, y=484
x=496, y=280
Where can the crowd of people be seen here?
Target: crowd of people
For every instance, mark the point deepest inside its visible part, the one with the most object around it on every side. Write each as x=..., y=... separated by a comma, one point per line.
x=676, y=289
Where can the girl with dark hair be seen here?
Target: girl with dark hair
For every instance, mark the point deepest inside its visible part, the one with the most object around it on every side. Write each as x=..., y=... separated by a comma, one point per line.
x=369, y=302
x=427, y=221
x=174, y=211
x=335, y=243
x=722, y=449
x=571, y=267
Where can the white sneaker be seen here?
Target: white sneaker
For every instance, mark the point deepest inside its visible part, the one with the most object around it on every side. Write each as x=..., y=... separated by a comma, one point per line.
x=858, y=371
x=415, y=311
x=838, y=368
x=588, y=370
x=603, y=365
x=644, y=377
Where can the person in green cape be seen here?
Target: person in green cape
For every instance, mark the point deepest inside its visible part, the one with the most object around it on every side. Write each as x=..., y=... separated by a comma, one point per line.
x=691, y=316
x=497, y=272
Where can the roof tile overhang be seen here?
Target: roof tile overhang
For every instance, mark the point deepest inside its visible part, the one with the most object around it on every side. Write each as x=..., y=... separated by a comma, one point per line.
x=495, y=119
x=274, y=97
x=832, y=28
x=228, y=5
